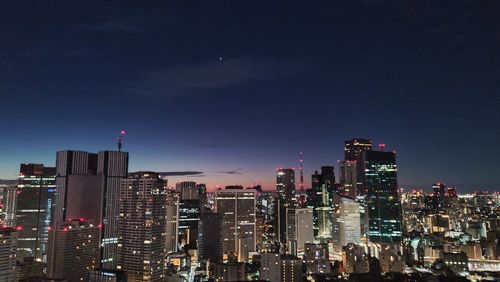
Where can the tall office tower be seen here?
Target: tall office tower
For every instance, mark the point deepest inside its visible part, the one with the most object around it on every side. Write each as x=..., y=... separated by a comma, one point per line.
x=187, y=190
x=210, y=237
x=285, y=184
x=113, y=167
x=8, y=241
x=325, y=215
x=70, y=163
x=237, y=208
x=88, y=186
x=353, y=151
x=73, y=250
x=202, y=195
x=141, y=227
x=33, y=214
x=348, y=179
x=322, y=189
x=384, y=207
x=9, y=202
x=347, y=224
x=299, y=227
x=172, y=224
x=438, y=197
x=189, y=216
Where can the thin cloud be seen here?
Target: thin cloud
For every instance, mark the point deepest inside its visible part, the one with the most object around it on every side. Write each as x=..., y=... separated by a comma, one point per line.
x=182, y=173
x=196, y=78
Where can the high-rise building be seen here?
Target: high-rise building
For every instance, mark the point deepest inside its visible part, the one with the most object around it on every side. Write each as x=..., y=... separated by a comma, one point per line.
x=384, y=207
x=187, y=190
x=354, y=150
x=8, y=243
x=319, y=198
x=189, y=216
x=73, y=251
x=347, y=224
x=285, y=184
x=141, y=227
x=348, y=179
x=113, y=166
x=210, y=237
x=70, y=163
x=438, y=197
x=33, y=210
x=237, y=208
x=172, y=223
x=299, y=227
x=88, y=187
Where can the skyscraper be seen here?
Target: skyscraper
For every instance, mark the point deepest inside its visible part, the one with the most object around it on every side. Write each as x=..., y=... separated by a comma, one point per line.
x=285, y=184
x=189, y=216
x=88, y=186
x=299, y=227
x=210, y=237
x=237, y=208
x=113, y=166
x=348, y=179
x=172, y=224
x=353, y=151
x=438, y=197
x=347, y=224
x=320, y=196
x=33, y=212
x=187, y=190
x=384, y=207
x=141, y=227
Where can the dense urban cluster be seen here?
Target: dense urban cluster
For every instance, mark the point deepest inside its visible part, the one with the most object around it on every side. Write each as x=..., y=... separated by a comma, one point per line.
x=90, y=219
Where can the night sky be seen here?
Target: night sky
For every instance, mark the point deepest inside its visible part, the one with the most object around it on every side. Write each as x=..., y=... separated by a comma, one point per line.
x=234, y=89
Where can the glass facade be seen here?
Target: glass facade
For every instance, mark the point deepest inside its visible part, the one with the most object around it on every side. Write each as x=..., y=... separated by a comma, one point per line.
x=384, y=208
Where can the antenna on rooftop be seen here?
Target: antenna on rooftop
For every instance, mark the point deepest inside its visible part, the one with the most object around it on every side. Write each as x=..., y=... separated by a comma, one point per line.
x=120, y=139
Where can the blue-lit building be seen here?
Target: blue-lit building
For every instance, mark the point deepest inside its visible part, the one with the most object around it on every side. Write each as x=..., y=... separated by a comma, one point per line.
x=384, y=207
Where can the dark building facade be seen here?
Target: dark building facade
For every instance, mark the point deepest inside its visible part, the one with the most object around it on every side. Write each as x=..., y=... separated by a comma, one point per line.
x=353, y=151
x=33, y=210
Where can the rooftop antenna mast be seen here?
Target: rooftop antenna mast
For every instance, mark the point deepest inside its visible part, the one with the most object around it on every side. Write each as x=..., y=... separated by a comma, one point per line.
x=119, y=140
x=301, y=160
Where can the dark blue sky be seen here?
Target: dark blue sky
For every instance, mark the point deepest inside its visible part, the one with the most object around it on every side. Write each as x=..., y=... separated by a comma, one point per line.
x=235, y=89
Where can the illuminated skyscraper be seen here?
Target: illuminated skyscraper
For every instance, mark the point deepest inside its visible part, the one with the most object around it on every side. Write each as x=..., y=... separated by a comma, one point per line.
x=347, y=224
x=33, y=212
x=141, y=227
x=384, y=207
x=320, y=197
x=353, y=151
x=285, y=184
x=237, y=208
